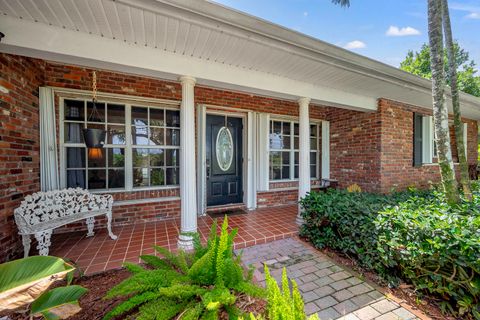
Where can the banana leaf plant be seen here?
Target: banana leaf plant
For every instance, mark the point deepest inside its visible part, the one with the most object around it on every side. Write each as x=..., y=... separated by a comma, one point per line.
x=25, y=282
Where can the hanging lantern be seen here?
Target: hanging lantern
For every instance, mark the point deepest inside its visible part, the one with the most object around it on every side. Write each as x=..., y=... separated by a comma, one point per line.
x=94, y=138
x=95, y=153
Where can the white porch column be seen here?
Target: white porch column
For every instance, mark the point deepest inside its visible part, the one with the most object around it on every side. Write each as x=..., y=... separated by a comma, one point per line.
x=304, y=153
x=188, y=192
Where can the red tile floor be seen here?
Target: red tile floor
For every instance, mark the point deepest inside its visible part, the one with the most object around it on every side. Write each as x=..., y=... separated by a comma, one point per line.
x=99, y=253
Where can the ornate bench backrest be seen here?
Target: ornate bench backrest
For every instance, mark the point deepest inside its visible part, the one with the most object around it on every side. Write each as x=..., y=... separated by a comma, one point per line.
x=47, y=206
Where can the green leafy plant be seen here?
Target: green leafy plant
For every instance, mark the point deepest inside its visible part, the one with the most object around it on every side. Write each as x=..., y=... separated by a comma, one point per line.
x=187, y=285
x=413, y=235
x=26, y=281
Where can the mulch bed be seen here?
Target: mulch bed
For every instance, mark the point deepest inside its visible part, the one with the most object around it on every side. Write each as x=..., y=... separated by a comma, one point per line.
x=94, y=307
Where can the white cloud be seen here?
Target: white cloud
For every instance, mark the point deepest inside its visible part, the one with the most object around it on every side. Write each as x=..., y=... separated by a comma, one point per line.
x=395, y=31
x=473, y=15
x=356, y=44
x=305, y=13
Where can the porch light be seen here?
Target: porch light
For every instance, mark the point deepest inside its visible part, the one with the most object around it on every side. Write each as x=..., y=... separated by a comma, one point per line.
x=94, y=138
x=95, y=153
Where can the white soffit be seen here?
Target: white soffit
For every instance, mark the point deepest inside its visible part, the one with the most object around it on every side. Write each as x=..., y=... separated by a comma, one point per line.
x=217, y=45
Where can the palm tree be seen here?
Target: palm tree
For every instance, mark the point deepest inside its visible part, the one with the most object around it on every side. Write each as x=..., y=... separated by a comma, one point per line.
x=452, y=70
x=343, y=3
x=440, y=111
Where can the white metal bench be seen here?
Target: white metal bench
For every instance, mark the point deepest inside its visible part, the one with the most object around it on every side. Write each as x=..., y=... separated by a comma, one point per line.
x=42, y=212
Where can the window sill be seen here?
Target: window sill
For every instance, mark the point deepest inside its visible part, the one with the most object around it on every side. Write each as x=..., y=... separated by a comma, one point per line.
x=436, y=164
x=133, y=190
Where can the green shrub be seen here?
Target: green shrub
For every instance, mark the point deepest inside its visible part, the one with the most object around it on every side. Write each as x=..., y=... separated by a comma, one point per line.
x=436, y=247
x=345, y=221
x=414, y=235
x=197, y=284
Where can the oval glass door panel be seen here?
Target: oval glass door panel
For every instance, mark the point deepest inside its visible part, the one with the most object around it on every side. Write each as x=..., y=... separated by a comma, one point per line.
x=224, y=148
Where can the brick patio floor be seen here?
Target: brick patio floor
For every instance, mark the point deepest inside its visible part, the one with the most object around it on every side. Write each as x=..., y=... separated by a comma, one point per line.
x=327, y=289
x=100, y=253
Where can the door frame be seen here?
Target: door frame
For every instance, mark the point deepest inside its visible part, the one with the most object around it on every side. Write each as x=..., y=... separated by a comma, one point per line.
x=248, y=155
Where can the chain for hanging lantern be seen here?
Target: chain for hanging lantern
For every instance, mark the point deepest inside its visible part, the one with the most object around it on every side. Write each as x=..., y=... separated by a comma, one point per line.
x=94, y=137
x=94, y=87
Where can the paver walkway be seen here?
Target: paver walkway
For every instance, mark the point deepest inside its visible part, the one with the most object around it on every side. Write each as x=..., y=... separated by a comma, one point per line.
x=327, y=289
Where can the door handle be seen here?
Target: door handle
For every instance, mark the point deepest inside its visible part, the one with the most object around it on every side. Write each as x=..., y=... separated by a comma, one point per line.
x=208, y=168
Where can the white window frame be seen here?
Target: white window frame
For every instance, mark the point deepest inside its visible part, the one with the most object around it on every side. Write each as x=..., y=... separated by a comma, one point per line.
x=128, y=102
x=318, y=151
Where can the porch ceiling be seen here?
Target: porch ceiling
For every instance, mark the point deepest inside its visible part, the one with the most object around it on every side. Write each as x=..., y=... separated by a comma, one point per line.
x=217, y=45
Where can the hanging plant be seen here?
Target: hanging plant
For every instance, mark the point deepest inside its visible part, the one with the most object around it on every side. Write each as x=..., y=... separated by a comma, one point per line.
x=94, y=138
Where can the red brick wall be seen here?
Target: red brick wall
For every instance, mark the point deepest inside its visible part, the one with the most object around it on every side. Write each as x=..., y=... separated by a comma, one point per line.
x=19, y=141
x=355, y=148
x=397, y=170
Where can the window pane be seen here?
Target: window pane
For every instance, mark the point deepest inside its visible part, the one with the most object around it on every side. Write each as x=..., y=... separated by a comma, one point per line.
x=172, y=157
x=98, y=115
x=276, y=173
x=157, y=158
x=140, y=157
x=173, y=118
x=157, y=117
x=116, y=178
x=97, y=179
x=277, y=127
x=296, y=172
x=276, y=141
x=157, y=136
x=74, y=110
x=140, y=177
x=96, y=126
x=313, y=171
x=75, y=157
x=115, y=113
x=313, y=130
x=285, y=172
x=286, y=158
x=286, y=128
x=140, y=135
x=139, y=116
x=116, y=134
x=313, y=158
x=286, y=142
x=297, y=155
x=313, y=144
x=173, y=137
x=296, y=129
x=157, y=177
x=116, y=157
x=76, y=179
x=173, y=176
x=296, y=143
x=96, y=158
x=73, y=132
x=275, y=159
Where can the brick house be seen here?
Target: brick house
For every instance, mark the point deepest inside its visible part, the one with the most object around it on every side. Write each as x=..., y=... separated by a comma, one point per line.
x=204, y=107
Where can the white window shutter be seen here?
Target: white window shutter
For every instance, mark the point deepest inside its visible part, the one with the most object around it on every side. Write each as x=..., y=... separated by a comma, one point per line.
x=263, y=148
x=48, y=141
x=465, y=138
x=427, y=139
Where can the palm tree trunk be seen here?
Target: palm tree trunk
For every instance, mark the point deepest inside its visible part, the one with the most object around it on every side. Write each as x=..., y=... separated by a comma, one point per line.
x=452, y=70
x=440, y=111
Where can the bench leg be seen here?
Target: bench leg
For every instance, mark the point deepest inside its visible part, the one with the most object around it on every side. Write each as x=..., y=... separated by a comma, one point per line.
x=109, y=226
x=26, y=244
x=90, y=224
x=44, y=243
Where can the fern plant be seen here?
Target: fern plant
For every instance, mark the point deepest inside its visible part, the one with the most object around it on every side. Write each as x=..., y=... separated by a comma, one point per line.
x=186, y=285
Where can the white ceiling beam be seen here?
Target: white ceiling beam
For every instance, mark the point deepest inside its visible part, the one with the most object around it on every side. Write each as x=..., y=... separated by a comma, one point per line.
x=63, y=45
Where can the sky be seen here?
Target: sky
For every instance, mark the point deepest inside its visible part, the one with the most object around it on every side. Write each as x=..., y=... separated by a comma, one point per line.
x=384, y=30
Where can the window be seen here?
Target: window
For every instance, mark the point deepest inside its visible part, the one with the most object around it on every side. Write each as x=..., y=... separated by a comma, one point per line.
x=150, y=142
x=284, y=150
x=155, y=146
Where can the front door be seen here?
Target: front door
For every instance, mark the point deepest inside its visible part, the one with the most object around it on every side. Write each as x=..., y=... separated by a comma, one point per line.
x=224, y=160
